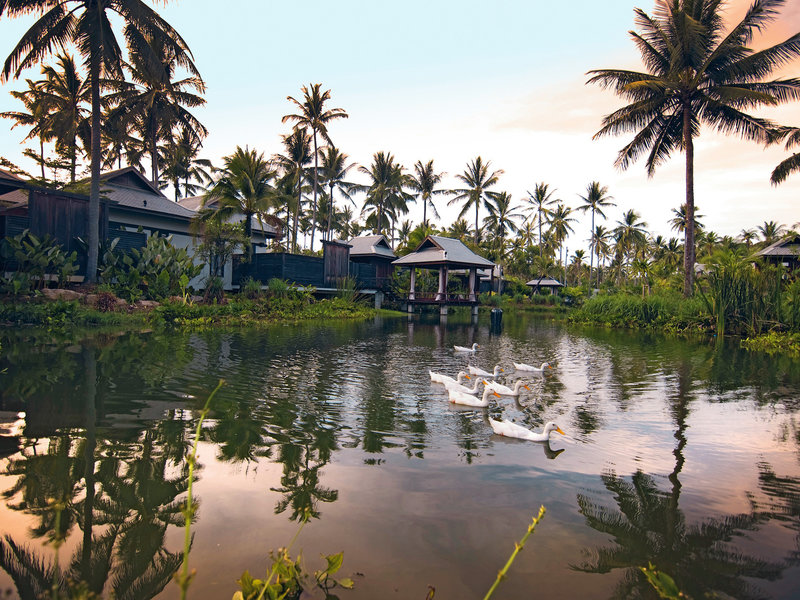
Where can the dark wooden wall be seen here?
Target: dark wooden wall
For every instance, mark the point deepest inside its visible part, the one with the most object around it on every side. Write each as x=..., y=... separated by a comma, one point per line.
x=336, y=258
x=296, y=268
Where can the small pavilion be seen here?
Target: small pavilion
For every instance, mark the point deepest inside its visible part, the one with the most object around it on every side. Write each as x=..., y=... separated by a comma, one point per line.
x=784, y=252
x=547, y=283
x=444, y=254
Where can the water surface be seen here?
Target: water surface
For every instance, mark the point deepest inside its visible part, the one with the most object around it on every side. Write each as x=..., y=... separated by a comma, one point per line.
x=681, y=453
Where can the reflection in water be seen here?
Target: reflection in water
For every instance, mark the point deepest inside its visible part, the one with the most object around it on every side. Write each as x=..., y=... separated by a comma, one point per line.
x=648, y=526
x=339, y=422
x=123, y=523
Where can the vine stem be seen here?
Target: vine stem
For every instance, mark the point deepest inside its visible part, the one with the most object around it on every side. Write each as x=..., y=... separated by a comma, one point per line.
x=517, y=547
x=184, y=577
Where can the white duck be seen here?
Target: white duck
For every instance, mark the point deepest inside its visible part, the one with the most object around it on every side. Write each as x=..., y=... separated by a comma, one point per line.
x=444, y=379
x=508, y=429
x=466, y=349
x=480, y=372
x=504, y=390
x=460, y=387
x=457, y=397
x=524, y=367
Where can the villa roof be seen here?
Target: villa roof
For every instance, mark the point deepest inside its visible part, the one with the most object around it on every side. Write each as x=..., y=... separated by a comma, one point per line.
x=371, y=245
x=436, y=250
x=128, y=188
x=545, y=282
x=788, y=246
x=9, y=181
x=195, y=203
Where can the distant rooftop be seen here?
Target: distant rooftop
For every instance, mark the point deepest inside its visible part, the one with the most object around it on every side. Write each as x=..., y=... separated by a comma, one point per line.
x=371, y=245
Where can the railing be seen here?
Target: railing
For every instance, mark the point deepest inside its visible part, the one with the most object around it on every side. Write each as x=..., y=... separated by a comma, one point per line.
x=435, y=297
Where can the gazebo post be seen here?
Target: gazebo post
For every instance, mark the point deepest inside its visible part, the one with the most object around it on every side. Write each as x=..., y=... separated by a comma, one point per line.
x=473, y=275
x=442, y=294
x=413, y=286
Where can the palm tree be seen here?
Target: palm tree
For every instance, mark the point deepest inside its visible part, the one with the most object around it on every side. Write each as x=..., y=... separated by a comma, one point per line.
x=678, y=222
x=746, y=236
x=313, y=115
x=86, y=23
x=153, y=103
x=298, y=155
x=182, y=167
x=334, y=170
x=540, y=200
x=66, y=95
x=596, y=199
x=385, y=190
x=602, y=244
x=37, y=117
x=477, y=179
x=791, y=164
x=560, y=228
x=630, y=234
x=243, y=188
x=697, y=73
x=501, y=219
x=771, y=231
x=459, y=229
x=424, y=182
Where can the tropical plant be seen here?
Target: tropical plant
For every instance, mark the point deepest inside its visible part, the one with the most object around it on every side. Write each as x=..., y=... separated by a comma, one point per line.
x=298, y=154
x=477, y=179
x=386, y=196
x=66, y=95
x=153, y=103
x=314, y=116
x=630, y=235
x=540, y=201
x=791, y=164
x=501, y=219
x=424, y=182
x=596, y=199
x=678, y=221
x=560, y=228
x=36, y=117
x=86, y=23
x=35, y=260
x=181, y=165
x=770, y=232
x=244, y=188
x=334, y=171
x=697, y=73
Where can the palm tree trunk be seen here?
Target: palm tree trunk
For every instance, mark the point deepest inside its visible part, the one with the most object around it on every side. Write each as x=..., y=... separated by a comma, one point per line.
x=153, y=150
x=477, y=207
x=540, y=239
x=330, y=213
x=314, y=210
x=248, y=233
x=688, y=254
x=424, y=212
x=94, y=186
x=591, y=252
x=41, y=154
x=297, y=212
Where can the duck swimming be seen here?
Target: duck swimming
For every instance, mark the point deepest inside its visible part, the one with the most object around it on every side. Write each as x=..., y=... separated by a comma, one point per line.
x=466, y=349
x=524, y=367
x=508, y=429
x=444, y=379
x=457, y=397
x=504, y=390
x=482, y=373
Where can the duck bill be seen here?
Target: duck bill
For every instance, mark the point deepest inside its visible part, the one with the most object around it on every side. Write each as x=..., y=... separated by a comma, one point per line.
x=496, y=394
x=527, y=388
x=558, y=429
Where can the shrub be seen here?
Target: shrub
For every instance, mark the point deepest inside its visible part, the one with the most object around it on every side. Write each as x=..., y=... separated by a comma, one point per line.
x=278, y=288
x=215, y=289
x=33, y=260
x=250, y=288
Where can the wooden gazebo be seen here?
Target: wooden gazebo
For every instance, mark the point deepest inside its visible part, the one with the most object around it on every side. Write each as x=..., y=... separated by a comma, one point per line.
x=444, y=254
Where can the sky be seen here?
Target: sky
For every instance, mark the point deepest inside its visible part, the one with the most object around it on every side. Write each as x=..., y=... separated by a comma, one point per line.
x=453, y=80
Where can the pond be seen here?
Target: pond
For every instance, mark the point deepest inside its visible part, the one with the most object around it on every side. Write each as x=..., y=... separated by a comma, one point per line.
x=681, y=453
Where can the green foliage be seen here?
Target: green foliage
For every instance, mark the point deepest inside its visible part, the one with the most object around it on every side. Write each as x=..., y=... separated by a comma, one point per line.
x=286, y=578
x=278, y=288
x=154, y=272
x=662, y=583
x=33, y=261
x=739, y=296
x=215, y=290
x=666, y=311
x=348, y=290
x=774, y=342
x=251, y=288
x=220, y=241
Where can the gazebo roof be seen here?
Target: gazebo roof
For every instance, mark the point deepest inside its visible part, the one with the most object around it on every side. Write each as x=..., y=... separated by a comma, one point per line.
x=371, y=246
x=435, y=251
x=545, y=282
